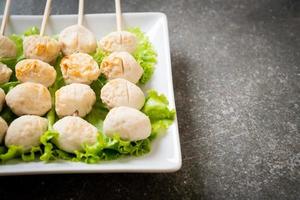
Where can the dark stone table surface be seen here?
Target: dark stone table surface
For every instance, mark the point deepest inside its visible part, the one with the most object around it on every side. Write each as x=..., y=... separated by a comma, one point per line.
x=236, y=69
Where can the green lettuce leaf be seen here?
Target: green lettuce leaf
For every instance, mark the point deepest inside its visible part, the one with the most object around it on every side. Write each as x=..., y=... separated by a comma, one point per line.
x=112, y=148
x=99, y=110
x=97, y=115
x=99, y=55
x=50, y=149
x=104, y=149
x=18, y=40
x=32, y=31
x=32, y=154
x=157, y=109
x=13, y=152
x=50, y=152
x=6, y=113
x=48, y=146
x=144, y=54
x=9, y=85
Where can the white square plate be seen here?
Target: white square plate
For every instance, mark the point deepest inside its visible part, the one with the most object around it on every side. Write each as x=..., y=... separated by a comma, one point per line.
x=165, y=155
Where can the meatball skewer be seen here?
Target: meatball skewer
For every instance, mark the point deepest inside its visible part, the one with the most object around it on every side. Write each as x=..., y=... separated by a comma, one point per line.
x=119, y=40
x=120, y=63
x=39, y=46
x=7, y=47
x=77, y=38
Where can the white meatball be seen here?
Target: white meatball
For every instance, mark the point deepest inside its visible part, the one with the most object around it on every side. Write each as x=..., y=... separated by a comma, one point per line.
x=41, y=47
x=5, y=73
x=129, y=123
x=77, y=39
x=121, y=65
x=79, y=68
x=26, y=131
x=74, y=132
x=120, y=92
x=2, y=98
x=8, y=48
x=75, y=98
x=36, y=71
x=119, y=41
x=29, y=99
x=3, y=129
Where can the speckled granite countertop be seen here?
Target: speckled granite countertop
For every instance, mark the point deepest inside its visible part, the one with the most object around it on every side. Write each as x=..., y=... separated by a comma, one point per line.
x=236, y=68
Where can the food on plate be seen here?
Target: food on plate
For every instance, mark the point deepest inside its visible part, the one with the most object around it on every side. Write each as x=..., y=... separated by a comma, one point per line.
x=79, y=68
x=5, y=73
x=74, y=132
x=73, y=99
x=29, y=99
x=119, y=41
x=129, y=123
x=41, y=47
x=3, y=129
x=36, y=71
x=121, y=65
x=8, y=47
x=87, y=117
x=26, y=131
x=76, y=39
x=2, y=98
x=120, y=92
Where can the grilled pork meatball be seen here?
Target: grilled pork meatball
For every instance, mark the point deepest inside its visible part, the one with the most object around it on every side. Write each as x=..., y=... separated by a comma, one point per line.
x=8, y=48
x=26, y=131
x=3, y=129
x=129, y=123
x=74, y=132
x=120, y=92
x=2, y=98
x=29, y=99
x=79, y=68
x=121, y=65
x=5, y=73
x=119, y=41
x=41, y=47
x=75, y=98
x=36, y=71
x=76, y=39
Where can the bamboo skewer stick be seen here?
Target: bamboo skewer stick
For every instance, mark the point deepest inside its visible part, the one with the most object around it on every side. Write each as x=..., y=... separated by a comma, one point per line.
x=45, y=17
x=80, y=12
x=118, y=15
x=5, y=17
